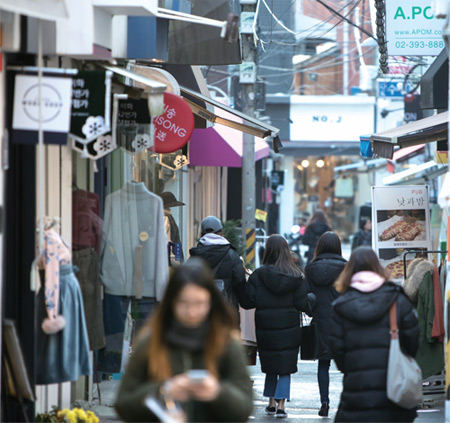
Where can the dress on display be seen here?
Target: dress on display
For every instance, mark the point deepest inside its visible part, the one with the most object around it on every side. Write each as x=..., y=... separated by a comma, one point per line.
x=62, y=356
x=86, y=236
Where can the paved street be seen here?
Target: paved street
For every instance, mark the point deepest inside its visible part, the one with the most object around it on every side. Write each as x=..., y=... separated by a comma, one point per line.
x=302, y=408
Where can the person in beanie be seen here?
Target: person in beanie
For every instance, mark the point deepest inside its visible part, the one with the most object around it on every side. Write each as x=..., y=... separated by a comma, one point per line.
x=221, y=257
x=360, y=339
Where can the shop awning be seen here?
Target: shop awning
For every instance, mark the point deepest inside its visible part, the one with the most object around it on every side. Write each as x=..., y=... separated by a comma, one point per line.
x=50, y=10
x=433, y=128
x=407, y=152
x=417, y=174
x=221, y=145
x=154, y=86
x=244, y=122
x=361, y=166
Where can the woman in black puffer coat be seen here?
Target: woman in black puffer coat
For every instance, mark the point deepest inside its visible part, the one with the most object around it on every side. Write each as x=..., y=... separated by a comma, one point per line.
x=360, y=339
x=278, y=291
x=321, y=274
x=317, y=226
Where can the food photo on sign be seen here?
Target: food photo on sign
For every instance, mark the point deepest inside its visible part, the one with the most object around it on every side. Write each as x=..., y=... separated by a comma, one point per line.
x=401, y=225
x=392, y=259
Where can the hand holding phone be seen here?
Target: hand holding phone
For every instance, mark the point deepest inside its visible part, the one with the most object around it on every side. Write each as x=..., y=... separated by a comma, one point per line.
x=203, y=386
x=197, y=375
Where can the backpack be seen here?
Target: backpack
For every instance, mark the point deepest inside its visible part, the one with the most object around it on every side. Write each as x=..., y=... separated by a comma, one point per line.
x=220, y=283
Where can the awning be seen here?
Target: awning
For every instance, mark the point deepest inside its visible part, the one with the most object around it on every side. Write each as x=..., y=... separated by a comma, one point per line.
x=221, y=146
x=245, y=123
x=417, y=174
x=433, y=128
x=50, y=10
x=155, y=87
x=407, y=152
x=361, y=166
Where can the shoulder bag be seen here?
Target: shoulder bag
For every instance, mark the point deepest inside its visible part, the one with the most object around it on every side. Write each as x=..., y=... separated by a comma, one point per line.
x=404, y=377
x=308, y=339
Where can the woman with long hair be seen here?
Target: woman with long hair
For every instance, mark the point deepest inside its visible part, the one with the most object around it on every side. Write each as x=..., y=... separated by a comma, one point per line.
x=321, y=274
x=317, y=225
x=278, y=292
x=360, y=338
x=192, y=328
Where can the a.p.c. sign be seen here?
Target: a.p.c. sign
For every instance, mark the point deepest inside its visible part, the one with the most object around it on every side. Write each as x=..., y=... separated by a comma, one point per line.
x=412, y=29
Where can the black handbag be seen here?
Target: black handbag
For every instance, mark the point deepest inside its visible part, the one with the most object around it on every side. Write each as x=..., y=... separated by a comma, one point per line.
x=308, y=342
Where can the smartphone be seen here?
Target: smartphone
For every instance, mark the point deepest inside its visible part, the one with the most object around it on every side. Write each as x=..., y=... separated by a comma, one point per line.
x=197, y=375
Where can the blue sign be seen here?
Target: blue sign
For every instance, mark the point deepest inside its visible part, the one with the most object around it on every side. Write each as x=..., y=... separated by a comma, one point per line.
x=392, y=88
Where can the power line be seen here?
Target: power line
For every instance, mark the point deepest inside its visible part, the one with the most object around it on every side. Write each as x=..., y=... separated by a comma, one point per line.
x=346, y=19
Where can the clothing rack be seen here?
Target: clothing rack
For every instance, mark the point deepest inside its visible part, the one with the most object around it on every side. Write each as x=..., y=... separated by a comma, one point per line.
x=419, y=251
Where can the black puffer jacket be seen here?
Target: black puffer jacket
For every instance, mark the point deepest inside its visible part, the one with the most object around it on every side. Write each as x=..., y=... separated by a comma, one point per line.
x=278, y=298
x=230, y=270
x=359, y=342
x=312, y=234
x=321, y=274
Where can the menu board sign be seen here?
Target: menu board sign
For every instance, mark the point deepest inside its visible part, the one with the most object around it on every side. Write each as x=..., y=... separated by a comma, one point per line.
x=401, y=222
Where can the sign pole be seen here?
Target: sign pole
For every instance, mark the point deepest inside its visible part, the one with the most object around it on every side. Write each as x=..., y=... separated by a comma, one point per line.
x=247, y=79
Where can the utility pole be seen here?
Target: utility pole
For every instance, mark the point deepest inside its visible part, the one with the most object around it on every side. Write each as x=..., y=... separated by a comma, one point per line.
x=247, y=78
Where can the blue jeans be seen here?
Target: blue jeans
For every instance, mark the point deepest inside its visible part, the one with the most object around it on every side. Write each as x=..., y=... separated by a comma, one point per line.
x=277, y=386
x=323, y=377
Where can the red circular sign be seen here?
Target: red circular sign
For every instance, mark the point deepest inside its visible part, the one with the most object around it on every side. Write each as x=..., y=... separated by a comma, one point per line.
x=174, y=127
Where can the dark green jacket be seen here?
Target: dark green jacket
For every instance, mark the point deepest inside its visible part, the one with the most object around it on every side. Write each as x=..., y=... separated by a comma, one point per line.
x=234, y=403
x=430, y=355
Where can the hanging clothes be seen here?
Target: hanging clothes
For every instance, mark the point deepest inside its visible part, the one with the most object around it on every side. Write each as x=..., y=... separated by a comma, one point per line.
x=438, y=330
x=88, y=276
x=86, y=223
x=134, y=244
x=62, y=356
x=420, y=289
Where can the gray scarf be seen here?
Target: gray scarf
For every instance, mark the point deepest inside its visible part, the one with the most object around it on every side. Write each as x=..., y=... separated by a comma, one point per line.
x=193, y=339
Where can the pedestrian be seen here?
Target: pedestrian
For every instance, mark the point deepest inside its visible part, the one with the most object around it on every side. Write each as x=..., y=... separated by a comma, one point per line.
x=191, y=329
x=364, y=235
x=278, y=292
x=221, y=257
x=317, y=225
x=321, y=274
x=360, y=339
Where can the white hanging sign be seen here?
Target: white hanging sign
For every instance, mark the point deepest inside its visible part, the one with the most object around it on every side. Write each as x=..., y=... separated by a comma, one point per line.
x=56, y=97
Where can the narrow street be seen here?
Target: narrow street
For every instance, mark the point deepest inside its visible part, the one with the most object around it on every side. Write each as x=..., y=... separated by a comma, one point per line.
x=302, y=408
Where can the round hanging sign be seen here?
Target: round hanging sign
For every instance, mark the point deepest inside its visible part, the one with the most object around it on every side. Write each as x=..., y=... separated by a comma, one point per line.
x=174, y=127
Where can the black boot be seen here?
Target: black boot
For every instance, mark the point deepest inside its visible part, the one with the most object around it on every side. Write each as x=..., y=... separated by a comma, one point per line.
x=324, y=410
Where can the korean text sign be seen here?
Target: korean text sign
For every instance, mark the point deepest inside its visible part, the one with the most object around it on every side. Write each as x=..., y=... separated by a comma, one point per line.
x=400, y=222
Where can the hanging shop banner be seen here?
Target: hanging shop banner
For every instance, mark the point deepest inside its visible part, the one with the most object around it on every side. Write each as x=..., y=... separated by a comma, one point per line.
x=91, y=105
x=134, y=133
x=54, y=113
x=102, y=145
x=412, y=29
x=401, y=222
x=172, y=129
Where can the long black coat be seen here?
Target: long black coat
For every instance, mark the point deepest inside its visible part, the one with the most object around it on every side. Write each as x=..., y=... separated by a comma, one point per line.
x=312, y=234
x=360, y=341
x=231, y=269
x=278, y=298
x=321, y=274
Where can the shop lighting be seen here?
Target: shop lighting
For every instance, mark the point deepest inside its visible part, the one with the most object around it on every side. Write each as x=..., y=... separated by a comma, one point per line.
x=305, y=163
x=320, y=163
